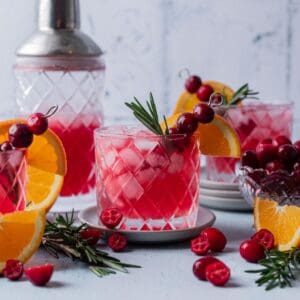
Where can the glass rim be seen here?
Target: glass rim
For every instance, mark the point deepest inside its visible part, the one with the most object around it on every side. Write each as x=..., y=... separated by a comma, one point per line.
x=12, y=151
x=107, y=131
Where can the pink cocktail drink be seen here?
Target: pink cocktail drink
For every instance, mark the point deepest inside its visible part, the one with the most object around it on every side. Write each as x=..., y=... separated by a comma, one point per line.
x=12, y=181
x=76, y=134
x=253, y=123
x=155, y=187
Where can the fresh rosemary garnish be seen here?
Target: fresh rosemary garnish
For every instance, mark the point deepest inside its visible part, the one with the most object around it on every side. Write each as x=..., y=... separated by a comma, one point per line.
x=148, y=117
x=62, y=236
x=279, y=268
x=243, y=93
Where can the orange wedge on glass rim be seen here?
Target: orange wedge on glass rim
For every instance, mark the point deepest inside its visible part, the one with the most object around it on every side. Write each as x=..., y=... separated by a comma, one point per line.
x=46, y=167
x=188, y=101
x=217, y=138
x=282, y=221
x=20, y=235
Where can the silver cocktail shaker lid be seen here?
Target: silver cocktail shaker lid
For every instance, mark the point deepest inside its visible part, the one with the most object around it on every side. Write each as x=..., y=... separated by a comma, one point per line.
x=59, y=32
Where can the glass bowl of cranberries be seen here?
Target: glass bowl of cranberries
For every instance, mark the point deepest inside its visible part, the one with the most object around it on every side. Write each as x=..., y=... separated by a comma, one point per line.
x=273, y=168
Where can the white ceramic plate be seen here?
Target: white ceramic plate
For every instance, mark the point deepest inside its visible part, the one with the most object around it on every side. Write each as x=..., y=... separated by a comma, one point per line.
x=214, y=185
x=225, y=203
x=205, y=219
x=220, y=193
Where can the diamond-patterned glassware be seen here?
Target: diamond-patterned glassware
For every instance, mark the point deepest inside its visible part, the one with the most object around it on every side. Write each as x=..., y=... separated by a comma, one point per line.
x=253, y=123
x=12, y=181
x=76, y=86
x=154, y=187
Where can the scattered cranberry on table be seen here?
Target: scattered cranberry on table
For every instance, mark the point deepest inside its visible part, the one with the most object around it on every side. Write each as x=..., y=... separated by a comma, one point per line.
x=13, y=269
x=200, y=245
x=265, y=238
x=111, y=217
x=217, y=273
x=39, y=275
x=117, y=242
x=91, y=235
x=216, y=238
x=252, y=251
x=199, y=266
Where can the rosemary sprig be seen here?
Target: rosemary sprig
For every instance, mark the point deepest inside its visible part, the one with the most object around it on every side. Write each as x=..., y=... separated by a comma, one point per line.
x=279, y=268
x=62, y=236
x=148, y=116
x=242, y=93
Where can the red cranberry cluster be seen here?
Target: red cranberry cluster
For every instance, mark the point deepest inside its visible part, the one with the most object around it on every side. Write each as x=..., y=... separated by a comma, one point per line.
x=20, y=135
x=271, y=156
x=253, y=250
x=194, y=85
x=208, y=267
x=37, y=275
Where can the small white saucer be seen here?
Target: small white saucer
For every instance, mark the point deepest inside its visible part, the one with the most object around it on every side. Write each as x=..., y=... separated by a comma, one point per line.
x=230, y=204
x=205, y=219
x=220, y=193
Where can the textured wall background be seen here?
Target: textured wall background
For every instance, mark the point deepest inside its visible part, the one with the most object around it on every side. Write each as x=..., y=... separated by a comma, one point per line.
x=148, y=41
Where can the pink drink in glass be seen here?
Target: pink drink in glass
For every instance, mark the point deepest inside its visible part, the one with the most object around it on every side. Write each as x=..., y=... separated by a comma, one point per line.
x=12, y=181
x=253, y=123
x=154, y=187
x=76, y=133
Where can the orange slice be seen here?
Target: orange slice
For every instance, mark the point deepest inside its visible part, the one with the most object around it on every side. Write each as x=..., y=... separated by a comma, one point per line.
x=46, y=167
x=187, y=101
x=217, y=138
x=20, y=235
x=282, y=221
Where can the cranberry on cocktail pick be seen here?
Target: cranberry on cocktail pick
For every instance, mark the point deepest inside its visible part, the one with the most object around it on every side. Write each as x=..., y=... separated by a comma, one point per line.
x=38, y=122
x=187, y=123
x=193, y=83
x=6, y=146
x=204, y=92
x=203, y=113
x=20, y=136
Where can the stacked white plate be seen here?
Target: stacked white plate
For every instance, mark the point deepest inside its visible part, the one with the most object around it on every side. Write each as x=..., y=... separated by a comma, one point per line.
x=221, y=195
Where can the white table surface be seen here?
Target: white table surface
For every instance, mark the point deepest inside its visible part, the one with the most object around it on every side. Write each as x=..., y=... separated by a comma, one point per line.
x=166, y=274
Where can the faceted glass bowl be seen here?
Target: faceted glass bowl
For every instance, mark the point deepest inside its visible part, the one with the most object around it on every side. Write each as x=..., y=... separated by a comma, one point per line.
x=252, y=122
x=155, y=187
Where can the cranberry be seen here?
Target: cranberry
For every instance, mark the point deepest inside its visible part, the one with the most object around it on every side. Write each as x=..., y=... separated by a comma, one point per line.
x=281, y=140
x=193, y=83
x=217, y=273
x=187, y=123
x=216, y=238
x=37, y=123
x=199, y=266
x=266, y=152
x=249, y=159
x=287, y=153
x=252, y=251
x=173, y=130
x=204, y=92
x=39, y=275
x=20, y=136
x=6, y=146
x=274, y=165
x=117, y=242
x=257, y=175
x=200, y=245
x=297, y=145
x=203, y=113
x=265, y=238
x=13, y=269
x=111, y=217
x=91, y=235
